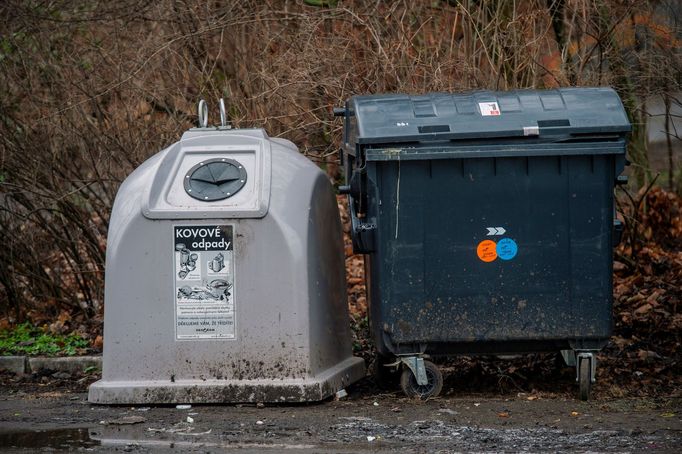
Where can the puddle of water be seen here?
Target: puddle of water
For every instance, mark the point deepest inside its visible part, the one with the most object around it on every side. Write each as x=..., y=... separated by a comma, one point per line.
x=66, y=439
x=180, y=444
x=83, y=437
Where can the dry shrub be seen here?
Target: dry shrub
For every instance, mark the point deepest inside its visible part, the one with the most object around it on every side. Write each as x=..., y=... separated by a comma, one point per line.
x=89, y=89
x=645, y=350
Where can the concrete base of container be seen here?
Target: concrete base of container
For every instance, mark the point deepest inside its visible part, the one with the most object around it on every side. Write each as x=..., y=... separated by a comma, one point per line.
x=310, y=389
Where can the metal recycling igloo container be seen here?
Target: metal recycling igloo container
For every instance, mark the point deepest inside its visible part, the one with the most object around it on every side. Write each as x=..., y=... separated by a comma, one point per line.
x=225, y=277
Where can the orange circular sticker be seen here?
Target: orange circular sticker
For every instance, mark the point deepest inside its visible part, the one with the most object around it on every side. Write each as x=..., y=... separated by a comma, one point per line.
x=487, y=250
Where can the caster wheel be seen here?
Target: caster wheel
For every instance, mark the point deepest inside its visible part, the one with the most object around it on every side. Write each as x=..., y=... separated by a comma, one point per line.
x=584, y=378
x=408, y=382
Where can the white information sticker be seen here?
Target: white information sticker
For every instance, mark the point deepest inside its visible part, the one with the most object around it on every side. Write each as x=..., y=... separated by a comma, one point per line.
x=489, y=109
x=204, y=282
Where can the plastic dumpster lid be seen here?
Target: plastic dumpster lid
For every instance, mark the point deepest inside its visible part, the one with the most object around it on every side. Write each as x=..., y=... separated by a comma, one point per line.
x=391, y=118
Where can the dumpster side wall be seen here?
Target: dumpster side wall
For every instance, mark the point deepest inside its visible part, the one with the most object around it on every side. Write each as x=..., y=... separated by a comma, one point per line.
x=441, y=279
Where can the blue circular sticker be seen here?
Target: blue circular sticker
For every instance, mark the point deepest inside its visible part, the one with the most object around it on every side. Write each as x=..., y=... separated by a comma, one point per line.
x=507, y=249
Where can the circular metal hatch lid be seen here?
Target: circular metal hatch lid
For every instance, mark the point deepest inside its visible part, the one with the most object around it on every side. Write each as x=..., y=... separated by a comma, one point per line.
x=215, y=179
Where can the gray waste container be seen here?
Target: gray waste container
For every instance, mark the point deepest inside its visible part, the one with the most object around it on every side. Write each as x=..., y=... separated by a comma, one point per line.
x=225, y=277
x=488, y=222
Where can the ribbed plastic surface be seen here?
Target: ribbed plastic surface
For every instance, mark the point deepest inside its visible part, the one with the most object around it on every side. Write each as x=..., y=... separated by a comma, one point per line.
x=397, y=118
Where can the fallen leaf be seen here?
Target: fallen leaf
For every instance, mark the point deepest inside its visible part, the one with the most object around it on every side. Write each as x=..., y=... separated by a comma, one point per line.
x=503, y=414
x=643, y=309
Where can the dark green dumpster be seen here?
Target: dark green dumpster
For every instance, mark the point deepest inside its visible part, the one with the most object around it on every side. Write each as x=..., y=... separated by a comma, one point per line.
x=487, y=220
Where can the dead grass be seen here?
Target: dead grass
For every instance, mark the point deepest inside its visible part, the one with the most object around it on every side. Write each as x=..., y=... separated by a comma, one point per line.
x=89, y=90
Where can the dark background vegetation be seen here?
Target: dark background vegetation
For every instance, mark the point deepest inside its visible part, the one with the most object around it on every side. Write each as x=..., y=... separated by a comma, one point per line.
x=90, y=89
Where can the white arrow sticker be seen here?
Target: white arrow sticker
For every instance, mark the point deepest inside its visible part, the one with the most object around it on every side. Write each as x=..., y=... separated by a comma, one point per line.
x=495, y=231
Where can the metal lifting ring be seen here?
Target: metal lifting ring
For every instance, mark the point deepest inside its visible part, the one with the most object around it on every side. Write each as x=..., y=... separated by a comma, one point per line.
x=202, y=112
x=223, y=115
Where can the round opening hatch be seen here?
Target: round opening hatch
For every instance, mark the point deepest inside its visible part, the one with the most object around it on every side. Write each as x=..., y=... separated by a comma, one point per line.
x=215, y=179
